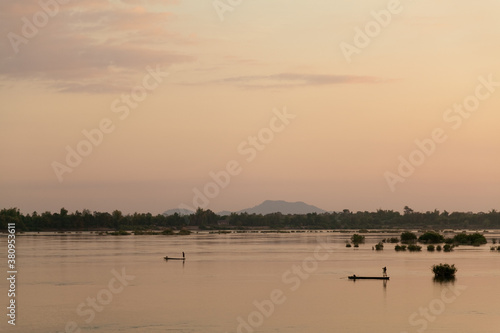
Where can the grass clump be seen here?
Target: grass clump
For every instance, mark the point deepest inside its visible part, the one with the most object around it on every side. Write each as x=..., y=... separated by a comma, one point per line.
x=167, y=232
x=184, y=232
x=146, y=232
x=119, y=233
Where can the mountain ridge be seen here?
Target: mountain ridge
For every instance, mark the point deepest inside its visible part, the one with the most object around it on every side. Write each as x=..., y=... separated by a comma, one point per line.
x=266, y=207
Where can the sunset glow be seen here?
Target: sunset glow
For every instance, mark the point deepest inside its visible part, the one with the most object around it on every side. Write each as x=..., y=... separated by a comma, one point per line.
x=140, y=105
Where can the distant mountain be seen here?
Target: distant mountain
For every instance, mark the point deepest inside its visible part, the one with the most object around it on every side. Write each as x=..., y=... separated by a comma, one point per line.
x=179, y=211
x=267, y=207
x=284, y=207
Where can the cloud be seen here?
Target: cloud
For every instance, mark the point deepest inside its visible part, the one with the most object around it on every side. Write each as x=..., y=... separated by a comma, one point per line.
x=88, y=44
x=290, y=80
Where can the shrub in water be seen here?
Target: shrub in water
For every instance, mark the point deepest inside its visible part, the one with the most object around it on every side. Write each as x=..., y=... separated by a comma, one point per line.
x=391, y=240
x=444, y=271
x=400, y=248
x=448, y=248
x=414, y=248
x=475, y=239
x=430, y=248
x=379, y=246
x=439, y=248
x=357, y=239
x=408, y=237
x=431, y=237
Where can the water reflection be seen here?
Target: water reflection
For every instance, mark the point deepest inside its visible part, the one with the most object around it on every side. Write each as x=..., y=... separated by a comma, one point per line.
x=444, y=280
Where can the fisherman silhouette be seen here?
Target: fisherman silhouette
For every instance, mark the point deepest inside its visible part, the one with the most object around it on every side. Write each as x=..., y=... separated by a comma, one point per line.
x=384, y=270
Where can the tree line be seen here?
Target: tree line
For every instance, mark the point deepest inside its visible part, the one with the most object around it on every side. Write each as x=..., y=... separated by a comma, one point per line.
x=208, y=220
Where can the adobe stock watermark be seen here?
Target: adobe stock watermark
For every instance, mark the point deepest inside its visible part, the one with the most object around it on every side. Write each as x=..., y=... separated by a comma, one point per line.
x=249, y=149
x=453, y=116
x=223, y=6
x=372, y=29
x=31, y=26
x=95, y=136
x=104, y=297
x=292, y=279
x=420, y=319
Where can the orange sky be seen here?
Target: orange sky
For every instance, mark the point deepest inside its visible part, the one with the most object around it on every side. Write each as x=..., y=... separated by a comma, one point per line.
x=141, y=105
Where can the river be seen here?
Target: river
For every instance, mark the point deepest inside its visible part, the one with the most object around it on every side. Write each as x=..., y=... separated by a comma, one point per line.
x=247, y=282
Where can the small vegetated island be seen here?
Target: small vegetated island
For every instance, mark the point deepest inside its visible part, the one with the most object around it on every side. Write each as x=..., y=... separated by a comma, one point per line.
x=409, y=241
x=475, y=239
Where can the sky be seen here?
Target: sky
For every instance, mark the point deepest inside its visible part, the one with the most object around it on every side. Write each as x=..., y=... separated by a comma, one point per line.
x=149, y=105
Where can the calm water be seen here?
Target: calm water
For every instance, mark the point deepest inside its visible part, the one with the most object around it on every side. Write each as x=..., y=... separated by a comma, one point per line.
x=246, y=283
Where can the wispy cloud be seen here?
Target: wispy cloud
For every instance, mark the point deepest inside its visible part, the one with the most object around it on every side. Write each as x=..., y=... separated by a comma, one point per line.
x=89, y=44
x=290, y=80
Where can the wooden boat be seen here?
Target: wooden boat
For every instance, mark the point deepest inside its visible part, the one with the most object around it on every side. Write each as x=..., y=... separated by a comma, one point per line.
x=172, y=258
x=354, y=277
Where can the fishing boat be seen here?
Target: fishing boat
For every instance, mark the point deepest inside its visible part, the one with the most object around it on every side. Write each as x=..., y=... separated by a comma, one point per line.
x=354, y=277
x=172, y=258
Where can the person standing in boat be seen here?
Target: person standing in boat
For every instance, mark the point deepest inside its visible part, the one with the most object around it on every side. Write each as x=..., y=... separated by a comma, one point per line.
x=183, y=255
x=384, y=270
